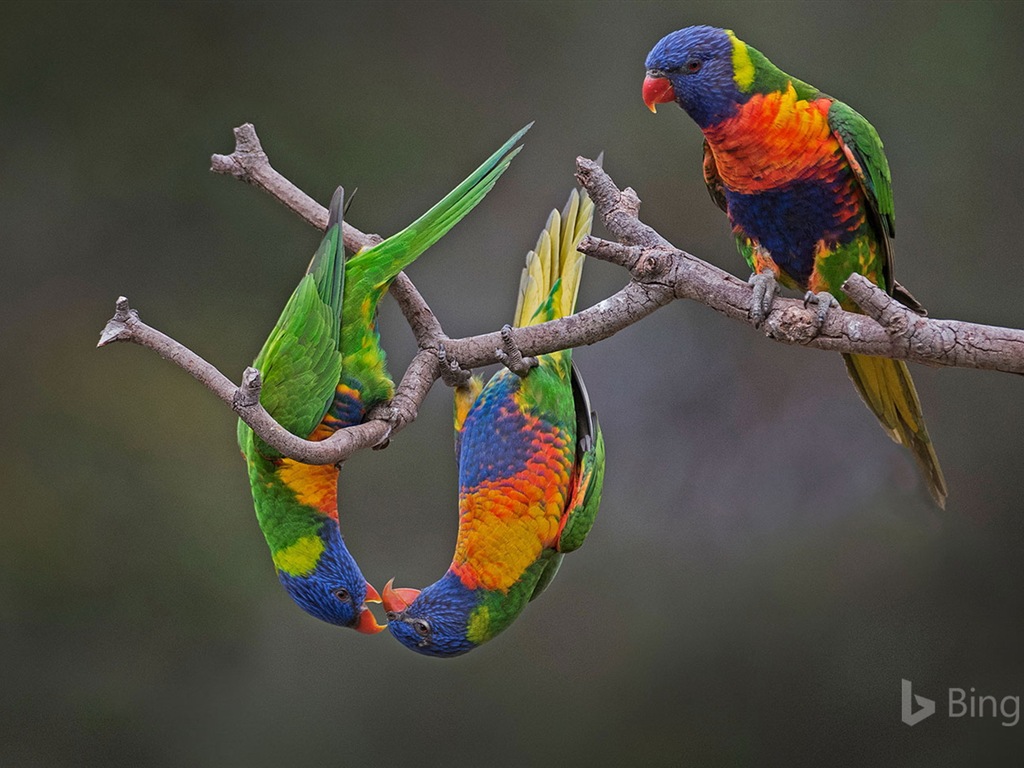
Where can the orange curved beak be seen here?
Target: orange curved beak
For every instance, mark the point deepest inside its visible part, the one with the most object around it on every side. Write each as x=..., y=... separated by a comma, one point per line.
x=398, y=599
x=657, y=90
x=367, y=623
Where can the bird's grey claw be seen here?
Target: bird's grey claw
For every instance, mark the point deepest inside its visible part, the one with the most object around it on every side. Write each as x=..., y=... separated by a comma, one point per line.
x=765, y=288
x=388, y=413
x=511, y=357
x=452, y=374
x=825, y=302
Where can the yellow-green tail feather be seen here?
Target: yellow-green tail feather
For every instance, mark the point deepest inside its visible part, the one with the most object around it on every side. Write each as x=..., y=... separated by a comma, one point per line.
x=370, y=272
x=887, y=389
x=551, y=277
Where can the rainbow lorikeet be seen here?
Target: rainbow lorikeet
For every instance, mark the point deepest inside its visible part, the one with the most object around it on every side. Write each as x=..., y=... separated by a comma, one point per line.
x=531, y=465
x=323, y=369
x=807, y=189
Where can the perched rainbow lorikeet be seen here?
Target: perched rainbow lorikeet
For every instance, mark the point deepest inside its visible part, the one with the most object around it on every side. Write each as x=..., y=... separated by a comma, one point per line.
x=807, y=189
x=323, y=369
x=531, y=465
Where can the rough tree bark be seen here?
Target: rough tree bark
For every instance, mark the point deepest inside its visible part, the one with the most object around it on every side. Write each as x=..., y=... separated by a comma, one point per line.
x=660, y=273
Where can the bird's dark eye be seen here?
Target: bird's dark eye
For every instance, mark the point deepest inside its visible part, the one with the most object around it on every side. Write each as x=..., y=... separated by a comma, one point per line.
x=693, y=65
x=421, y=627
x=343, y=594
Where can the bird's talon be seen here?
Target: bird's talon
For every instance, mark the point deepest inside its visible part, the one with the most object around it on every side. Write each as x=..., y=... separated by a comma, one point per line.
x=386, y=413
x=825, y=302
x=765, y=287
x=510, y=355
x=452, y=374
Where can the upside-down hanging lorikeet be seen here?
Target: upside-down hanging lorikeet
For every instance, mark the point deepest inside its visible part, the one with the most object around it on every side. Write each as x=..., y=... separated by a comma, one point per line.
x=807, y=189
x=323, y=369
x=531, y=464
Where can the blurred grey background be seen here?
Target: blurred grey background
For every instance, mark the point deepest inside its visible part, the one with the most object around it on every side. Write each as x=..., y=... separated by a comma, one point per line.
x=766, y=566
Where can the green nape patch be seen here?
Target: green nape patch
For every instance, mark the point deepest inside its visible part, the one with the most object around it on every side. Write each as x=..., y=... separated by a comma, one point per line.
x=300, y=558
x=499, y=609
x=479, y=629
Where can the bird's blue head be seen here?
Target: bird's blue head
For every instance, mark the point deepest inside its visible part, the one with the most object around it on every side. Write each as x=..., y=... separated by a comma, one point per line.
x=334, y=590
x=434, y=622
x=706, y=70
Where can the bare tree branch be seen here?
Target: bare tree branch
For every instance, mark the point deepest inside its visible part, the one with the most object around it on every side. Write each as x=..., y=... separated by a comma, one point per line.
x=424, y=324
x=125, y=325
x=888, y=329
x=250, y=164
x=660, y=274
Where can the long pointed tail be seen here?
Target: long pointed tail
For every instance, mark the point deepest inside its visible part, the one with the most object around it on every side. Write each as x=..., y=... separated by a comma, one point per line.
x=370, y=272
x=551, y=277
x=365, y=380
x=887, y=389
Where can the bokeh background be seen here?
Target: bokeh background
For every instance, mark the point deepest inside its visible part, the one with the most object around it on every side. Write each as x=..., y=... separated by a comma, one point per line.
x=766, y=566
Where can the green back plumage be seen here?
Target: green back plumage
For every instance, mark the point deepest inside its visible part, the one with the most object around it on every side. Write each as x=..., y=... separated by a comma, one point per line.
x=770, y=79
x=300, y=363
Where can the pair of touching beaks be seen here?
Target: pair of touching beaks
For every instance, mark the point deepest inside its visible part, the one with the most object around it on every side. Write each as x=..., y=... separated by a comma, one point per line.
x=395, y=600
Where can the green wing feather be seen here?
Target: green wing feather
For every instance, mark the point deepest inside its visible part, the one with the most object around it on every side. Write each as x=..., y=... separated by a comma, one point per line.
x=589, y=476
x=863, y=148
x=551, y=566
x=300, y=363
x=588, y=481
x=586, y=499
